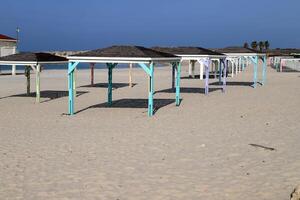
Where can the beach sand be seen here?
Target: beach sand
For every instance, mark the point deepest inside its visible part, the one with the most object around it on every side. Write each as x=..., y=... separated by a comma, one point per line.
x=200, y=150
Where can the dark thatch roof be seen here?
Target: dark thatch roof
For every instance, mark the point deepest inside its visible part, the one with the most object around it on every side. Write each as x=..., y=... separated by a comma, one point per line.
x=33, y=57
x=5, y=37
x=125, y=52
x=236, y=50
x=187, y=51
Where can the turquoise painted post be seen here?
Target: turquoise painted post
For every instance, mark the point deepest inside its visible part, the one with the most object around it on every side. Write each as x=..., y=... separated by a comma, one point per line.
x=110, y=67
x=264, y=70
x=151, y=89
x=178, y=72
x=220, y=71
x=71, y=89
x=255, y=71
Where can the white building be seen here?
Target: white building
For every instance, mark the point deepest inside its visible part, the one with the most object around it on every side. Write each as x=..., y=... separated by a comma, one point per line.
x=8, y=46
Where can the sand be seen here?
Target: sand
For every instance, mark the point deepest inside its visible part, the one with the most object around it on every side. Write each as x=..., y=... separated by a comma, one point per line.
x=200, y=150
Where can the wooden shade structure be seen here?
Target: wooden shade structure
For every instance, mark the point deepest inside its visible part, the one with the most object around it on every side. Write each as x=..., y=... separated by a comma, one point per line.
x=34, y=61
x=144, y=57
x=204, y=57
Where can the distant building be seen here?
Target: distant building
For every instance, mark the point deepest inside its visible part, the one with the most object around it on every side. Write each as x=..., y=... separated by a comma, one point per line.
x=8, y=45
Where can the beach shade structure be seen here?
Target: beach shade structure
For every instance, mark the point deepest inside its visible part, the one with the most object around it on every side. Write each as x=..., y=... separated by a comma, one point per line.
x=112, y=56
x=32, y=61
x=205, y=57
x=277, y=57
x=240, y=57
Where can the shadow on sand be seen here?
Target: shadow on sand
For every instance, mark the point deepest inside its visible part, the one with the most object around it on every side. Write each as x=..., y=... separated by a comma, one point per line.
x=49, y=94
x=189, y=90
x=9, y=74
x=105, y=85
x=211, y=76
x=132, y=103
x=235, y=83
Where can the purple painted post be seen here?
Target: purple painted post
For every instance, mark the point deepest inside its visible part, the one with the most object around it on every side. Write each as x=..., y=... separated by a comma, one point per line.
x=207, y=65
x=225, y=62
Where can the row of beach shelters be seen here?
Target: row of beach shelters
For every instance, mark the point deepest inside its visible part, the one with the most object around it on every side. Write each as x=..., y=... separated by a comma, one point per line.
x=146, y=58
x=241, y=57
x=284, y=59
x=204, y=57
x=8, y=46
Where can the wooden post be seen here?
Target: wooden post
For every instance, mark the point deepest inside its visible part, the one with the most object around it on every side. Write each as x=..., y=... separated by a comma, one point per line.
x=178, y=76
x=37, y=83
x=264, y=70
x=232, y=67
x=255, y=71
x=71, y=91
x=151, y=91
x=207, y=77
x=92, y=66
x=220, y=71
x=130, y=75
x=225, y=63
x=109, y=94
x=190, y=68
x=193, y=68
x=173, y=76
x=201, y=70
x=27, y=74
x=237, y=67
x=74, y=81
x=13, y=70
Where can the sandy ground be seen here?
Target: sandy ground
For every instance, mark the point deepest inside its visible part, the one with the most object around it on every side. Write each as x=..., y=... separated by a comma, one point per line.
x=199, y=150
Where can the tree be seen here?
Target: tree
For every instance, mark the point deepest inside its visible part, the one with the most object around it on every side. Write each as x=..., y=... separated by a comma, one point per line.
x=261, y=45
x=254, y=45
x=246, y=45
x=267, y=44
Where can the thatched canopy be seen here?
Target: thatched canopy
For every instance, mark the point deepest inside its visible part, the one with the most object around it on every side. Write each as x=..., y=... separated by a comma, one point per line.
x=125, y=51
x=237, y=50
x=181, y=51
x=32, y=58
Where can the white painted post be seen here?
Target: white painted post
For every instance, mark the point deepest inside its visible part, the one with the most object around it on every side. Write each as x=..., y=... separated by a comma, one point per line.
x=13, y=67
x=232, y=67
x=13, y=70
x=37, y=82
x=201, y=70
x=237, y=66
x=190, y=68
x=130, y=75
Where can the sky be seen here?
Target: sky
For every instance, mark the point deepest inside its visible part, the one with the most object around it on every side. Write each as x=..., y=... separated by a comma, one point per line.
x=90, y=24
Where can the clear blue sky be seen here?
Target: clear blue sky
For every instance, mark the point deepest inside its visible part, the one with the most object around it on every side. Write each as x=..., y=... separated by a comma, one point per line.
x=90, y=24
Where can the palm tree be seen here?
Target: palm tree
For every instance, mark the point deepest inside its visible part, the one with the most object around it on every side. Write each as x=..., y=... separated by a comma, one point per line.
x=254, y=45
x=246, y=45
x=267, y=44
x=261, y=45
